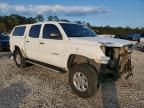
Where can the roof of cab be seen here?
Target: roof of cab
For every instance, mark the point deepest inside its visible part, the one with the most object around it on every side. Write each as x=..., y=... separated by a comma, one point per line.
x=58, y=22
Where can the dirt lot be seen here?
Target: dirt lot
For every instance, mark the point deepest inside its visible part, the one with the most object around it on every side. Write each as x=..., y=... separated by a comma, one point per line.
x=36, y=87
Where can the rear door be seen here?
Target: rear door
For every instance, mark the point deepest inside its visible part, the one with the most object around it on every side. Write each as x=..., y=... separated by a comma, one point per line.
x=32, y=42
x=51, y=45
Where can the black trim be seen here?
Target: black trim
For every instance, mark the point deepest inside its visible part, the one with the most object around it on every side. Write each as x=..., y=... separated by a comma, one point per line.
x=46, y=65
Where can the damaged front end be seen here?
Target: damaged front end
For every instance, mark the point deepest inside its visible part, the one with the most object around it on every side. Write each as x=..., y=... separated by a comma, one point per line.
x=119, y=63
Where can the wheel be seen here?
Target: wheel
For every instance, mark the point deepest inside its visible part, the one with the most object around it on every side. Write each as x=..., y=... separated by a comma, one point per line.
x=83, y=80
x=19, y=59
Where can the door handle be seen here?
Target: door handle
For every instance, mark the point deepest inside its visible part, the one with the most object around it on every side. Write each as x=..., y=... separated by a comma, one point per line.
x=27, y=41
x=55, y=53
x=41, y=43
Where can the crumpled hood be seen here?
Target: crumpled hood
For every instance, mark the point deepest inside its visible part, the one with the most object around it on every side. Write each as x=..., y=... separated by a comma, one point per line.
x=107, y=41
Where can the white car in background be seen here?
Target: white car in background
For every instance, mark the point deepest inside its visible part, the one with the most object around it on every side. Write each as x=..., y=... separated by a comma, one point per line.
x=141, y=41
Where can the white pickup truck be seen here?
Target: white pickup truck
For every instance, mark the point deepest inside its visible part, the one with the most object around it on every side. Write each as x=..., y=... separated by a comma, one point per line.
x=73, y=48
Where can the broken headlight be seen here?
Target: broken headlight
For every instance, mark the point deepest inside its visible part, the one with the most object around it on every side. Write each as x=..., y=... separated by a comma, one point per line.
x=128, y=48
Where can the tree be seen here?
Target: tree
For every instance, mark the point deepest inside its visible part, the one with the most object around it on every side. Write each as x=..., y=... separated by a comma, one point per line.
x=8, y=22
x=55, y=18
x=49, y=18
x=88, y=24
x=39, y=18
x=78, y=22
x=31, y=20
x=52, y=18
x=65, y=20
x=2, y=27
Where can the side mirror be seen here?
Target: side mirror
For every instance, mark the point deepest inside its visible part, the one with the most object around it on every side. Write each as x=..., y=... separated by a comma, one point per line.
x=55, y=36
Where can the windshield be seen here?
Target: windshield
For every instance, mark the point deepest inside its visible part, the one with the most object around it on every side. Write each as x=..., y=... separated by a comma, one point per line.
x=75, y=30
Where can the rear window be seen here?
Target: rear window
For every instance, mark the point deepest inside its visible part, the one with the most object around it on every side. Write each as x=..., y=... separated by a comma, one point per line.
x=19, y=31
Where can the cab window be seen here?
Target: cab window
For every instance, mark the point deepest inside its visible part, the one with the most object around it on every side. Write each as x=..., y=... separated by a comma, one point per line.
x=35, y=31
x=50, y=31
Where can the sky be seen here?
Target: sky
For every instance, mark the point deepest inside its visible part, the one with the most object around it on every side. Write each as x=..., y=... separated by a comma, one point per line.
x=97, y=12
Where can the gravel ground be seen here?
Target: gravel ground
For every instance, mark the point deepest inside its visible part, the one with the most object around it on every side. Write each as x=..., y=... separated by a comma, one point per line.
x=36, y=87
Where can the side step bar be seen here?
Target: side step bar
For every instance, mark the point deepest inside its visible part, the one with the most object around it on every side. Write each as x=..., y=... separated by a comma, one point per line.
x=45, y=65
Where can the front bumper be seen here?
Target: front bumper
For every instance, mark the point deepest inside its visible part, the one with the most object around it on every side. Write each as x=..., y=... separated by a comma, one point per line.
x=120, y=61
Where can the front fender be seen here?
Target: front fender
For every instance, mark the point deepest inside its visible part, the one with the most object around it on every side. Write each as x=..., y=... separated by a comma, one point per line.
x=91, y=52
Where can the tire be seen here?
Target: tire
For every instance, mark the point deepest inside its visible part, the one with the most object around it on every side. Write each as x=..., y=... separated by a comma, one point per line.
x=88, y=79
x=19, y=59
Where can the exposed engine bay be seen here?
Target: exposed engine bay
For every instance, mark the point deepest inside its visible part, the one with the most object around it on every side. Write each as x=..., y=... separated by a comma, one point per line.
x=120, y=61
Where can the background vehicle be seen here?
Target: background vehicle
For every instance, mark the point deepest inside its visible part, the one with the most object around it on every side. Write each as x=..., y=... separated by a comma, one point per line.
x=141, y=41
x=4, y=41
x=134, y=37
x=125, y=37
x=73, y=48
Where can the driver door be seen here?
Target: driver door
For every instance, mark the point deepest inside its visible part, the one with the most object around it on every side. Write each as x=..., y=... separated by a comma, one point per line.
x=51, y=45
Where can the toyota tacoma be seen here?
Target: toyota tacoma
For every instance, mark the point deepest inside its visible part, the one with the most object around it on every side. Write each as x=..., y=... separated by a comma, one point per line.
x=73, y=48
